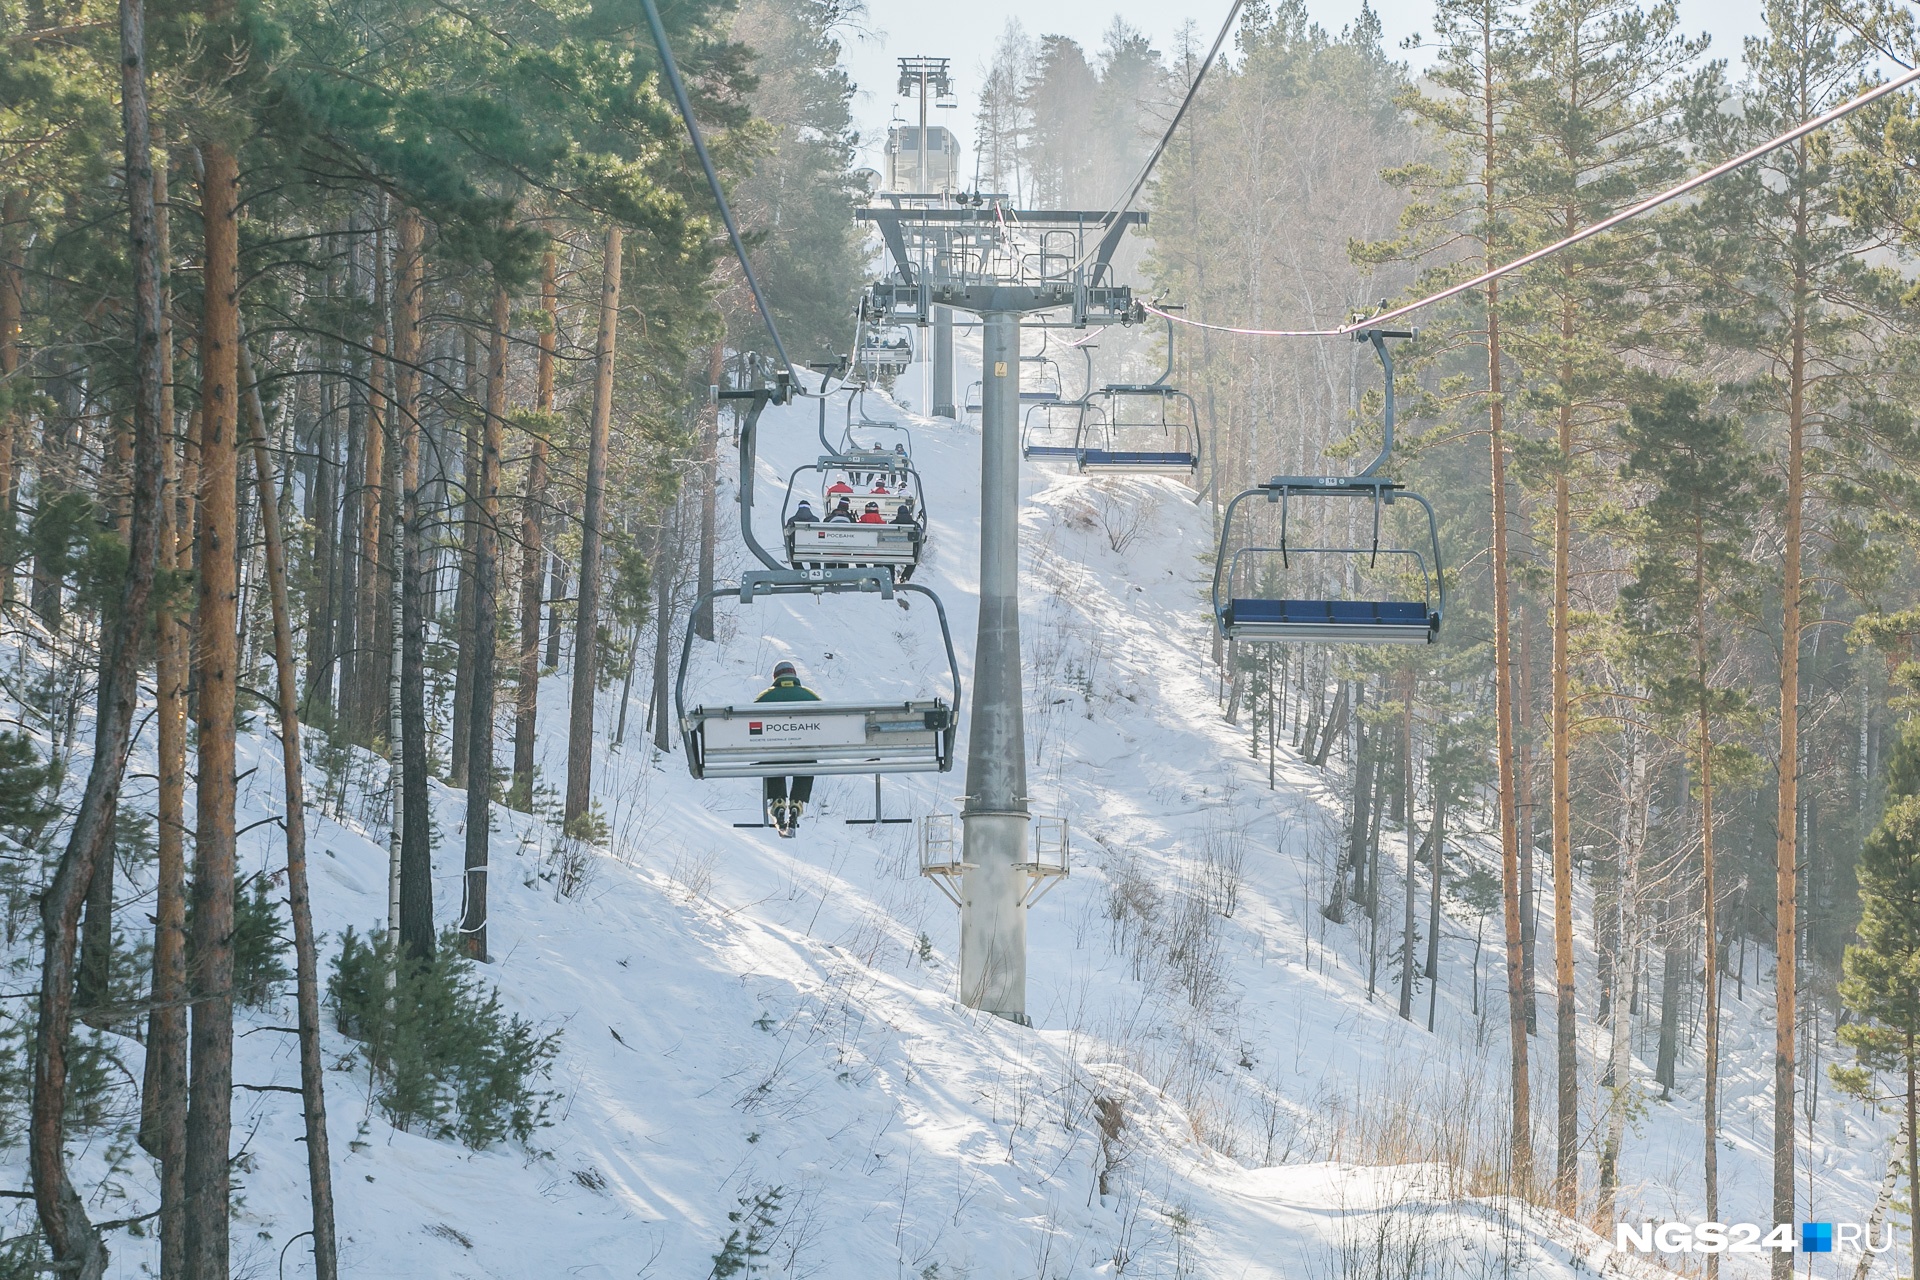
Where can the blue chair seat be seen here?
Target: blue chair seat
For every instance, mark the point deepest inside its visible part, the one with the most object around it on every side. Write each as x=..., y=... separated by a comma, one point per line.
x=1179, y=461
x=1065, y=451
x=1330, y=612
x=1040, y=397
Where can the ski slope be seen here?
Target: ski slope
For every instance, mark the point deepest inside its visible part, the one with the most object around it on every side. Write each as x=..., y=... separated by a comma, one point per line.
x=1207, y=1090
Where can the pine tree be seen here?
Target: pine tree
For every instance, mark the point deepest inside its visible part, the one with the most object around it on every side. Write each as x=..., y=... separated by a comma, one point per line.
x=1782, y=276
x=1690, y=571
x=1600, y=122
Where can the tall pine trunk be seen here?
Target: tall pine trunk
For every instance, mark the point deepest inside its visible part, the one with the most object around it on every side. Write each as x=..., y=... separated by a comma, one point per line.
x=416, y=851
x=1520, y=1129
x=367, y=697
x=163, y=1095
x=587, y=611
x=1786, y=848
x=210, y=949
x=1411, y=898
x=326, y=1255
x=526, y=707
x=463, y=675
x=13, y=211
x=71, y=1236
x=486, y=555
x=1710, y=907
x=1566, y=1168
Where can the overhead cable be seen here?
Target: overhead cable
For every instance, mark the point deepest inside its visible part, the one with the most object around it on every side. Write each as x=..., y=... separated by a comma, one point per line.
x=1193, y=90
x=719, y=195
x=1585, y=233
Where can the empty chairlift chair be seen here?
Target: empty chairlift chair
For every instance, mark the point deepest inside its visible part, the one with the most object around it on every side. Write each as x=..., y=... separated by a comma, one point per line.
x=1052, y=432
x=1330, y=594
x=1150, y=428
x=1377, y=591
x=1043, y=386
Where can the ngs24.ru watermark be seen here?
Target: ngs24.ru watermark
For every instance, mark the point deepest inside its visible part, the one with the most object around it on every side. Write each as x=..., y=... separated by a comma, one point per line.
x=1750, y=1237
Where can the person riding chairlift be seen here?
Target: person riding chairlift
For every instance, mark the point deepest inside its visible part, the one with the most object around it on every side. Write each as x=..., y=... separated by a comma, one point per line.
x=839, y=489
x=842, y=514
x=803, y=514
x=784, y=803
x=904, y=515
x=872, y=514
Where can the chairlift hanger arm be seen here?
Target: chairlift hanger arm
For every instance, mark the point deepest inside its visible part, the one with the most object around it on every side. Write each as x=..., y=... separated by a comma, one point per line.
x=749, y=431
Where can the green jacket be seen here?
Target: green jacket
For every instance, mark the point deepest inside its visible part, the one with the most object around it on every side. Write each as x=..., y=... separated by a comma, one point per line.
x=788, y=689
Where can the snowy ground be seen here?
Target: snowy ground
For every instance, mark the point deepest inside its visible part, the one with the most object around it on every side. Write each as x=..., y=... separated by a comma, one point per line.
x=742, y=1013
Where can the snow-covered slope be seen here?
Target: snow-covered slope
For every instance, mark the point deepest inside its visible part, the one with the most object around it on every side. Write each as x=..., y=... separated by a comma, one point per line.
x=1208, y=1089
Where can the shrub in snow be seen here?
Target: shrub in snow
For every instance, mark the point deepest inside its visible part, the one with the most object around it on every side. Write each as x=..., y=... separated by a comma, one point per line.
x=446, y=1058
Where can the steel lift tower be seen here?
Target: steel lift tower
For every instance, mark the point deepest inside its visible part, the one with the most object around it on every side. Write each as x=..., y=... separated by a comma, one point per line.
x=1000, y=264
x=918, y=78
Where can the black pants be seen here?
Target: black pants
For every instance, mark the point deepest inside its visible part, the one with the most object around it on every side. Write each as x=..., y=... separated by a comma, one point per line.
x=776, y=790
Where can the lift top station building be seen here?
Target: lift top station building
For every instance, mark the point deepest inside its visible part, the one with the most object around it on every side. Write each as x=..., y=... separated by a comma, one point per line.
x=975, y=253
x=912, y=168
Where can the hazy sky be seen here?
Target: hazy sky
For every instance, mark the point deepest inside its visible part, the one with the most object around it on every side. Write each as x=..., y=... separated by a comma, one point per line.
x=967, y=32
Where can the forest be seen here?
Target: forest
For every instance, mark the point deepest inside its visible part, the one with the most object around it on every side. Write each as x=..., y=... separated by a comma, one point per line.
x=359, y=368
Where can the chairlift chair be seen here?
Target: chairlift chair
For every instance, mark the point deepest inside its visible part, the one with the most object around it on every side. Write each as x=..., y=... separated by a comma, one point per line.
x=884, y=351
x=1052, y=432
x=976, y=392
x=775, y=739
x=1146, y=428
x=1349, y=595
x=867, y=434
x=1046, y=388
x=878, y=476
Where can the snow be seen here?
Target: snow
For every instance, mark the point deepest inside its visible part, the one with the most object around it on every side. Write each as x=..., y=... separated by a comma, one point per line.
x=742, y=1013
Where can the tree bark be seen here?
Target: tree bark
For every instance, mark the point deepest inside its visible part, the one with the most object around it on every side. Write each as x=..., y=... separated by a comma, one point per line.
x=71, y=1235
x=210, y=1098
x=416, y=850
x=485, y=505
x=1335, y=908
x=1520, y=1134
x=163, y=1096
x=666, y=569
x=326, y=1254
x=373, y=662
x=1710, y=907
x=1786, y=848
x=1673, y=960
x=13, y=211
x=1566, y=1169
x=463, y=674
x=526, y=709
x=1406, y=807
x=587, y=611
x=556, y=595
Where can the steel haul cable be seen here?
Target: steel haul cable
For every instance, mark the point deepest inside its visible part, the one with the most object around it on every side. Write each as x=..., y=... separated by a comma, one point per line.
x=1193, y=91
x=680, y=99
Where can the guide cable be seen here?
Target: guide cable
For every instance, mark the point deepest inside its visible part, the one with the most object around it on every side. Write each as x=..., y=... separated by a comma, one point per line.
x=1585, y=233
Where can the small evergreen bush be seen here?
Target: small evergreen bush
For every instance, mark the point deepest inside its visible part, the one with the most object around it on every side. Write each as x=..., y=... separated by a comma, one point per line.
x=446, y=1058
x=258, y=946
x=755, y=1226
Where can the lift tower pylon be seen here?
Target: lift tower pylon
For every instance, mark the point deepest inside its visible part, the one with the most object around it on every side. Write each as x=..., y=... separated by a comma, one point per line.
x=976, y=255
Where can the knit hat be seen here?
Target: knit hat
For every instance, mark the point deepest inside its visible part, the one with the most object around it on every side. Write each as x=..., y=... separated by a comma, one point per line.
x=784, y=669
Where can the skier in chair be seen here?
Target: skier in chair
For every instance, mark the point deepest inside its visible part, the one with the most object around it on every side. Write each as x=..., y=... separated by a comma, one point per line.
x=784, y=806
